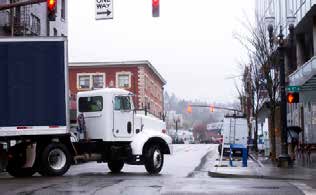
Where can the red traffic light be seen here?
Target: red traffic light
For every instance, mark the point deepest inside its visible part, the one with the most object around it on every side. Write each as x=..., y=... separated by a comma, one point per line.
x=293, y=97
x=51, y=10
x=51, y=4
x=156, y=10
x=155, y=3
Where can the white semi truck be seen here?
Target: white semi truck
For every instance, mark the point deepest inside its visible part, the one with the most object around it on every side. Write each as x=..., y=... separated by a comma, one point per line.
x=34, y=117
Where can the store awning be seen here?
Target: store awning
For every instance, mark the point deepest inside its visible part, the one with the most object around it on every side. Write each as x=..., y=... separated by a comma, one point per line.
x=305, y=76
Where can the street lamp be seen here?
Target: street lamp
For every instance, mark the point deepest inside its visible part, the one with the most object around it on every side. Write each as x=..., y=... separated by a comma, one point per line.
x=284, y=158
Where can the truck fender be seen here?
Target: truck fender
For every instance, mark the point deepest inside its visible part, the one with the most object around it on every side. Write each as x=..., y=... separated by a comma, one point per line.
x=30, y=155
x=147, y=137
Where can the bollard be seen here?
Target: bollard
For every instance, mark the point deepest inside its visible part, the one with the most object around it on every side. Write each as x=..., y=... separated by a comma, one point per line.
x=244, y=157
x=230, y=156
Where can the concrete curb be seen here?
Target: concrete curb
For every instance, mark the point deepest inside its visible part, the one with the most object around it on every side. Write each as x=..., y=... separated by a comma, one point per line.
x=227, y=175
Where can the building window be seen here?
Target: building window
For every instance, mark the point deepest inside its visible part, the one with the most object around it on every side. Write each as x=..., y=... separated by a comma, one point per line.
x=35, y=25
x=90, y=81
x=98, y=81
x=63, y=10
x=84, y=82
x=123, y=80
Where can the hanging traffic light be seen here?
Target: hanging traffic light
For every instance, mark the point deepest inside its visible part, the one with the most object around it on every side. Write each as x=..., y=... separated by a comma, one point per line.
x=189, y=109
x=155, y=4
x=212, y=108
x=293, y=97
x=51, y=10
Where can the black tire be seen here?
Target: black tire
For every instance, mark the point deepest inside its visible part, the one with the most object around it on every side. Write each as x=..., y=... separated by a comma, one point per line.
x=116, y=166
x=17, y=171
x=153, y=159
x=54, y=160
x=15, y=164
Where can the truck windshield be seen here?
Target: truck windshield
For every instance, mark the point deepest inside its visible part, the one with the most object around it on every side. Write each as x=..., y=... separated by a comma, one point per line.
x=90, y=104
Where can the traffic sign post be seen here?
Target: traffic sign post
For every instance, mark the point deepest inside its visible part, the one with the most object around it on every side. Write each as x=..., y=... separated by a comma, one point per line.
x=294, y=88
x=103, y=9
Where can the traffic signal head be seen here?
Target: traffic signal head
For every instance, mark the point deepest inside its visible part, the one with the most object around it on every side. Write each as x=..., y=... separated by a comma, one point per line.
x=51, y=10
x=293, y=97
x=189, y=109
x=155, y=4
x=212, y=108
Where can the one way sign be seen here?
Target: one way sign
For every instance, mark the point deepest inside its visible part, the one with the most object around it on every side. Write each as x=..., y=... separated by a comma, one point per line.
x=104, y=9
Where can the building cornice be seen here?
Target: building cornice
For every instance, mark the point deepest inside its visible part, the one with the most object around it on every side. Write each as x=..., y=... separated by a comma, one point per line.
x=117, y=64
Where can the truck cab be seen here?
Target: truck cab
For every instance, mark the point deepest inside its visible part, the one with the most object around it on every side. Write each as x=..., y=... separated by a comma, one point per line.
x=111, y=120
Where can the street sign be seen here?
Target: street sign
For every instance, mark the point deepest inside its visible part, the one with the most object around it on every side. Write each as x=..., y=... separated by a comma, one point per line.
x=294, y=88
x=103, y=9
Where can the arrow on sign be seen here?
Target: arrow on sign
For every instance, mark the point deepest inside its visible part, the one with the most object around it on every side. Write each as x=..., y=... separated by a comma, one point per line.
x=108, y=12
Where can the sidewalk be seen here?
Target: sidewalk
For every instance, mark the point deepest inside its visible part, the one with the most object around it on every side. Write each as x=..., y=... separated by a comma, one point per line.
x=265, y=169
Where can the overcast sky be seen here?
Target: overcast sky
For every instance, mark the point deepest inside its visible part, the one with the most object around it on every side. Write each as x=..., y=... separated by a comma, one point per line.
x=191, y=44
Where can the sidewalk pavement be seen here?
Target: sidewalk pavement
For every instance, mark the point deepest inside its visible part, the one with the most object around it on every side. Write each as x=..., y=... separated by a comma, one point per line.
x=263, y=168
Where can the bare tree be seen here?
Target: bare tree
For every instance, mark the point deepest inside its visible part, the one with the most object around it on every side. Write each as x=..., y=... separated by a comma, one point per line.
x=264, y=74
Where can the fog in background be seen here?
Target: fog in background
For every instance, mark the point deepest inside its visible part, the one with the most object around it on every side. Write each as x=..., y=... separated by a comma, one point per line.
x=191, y=44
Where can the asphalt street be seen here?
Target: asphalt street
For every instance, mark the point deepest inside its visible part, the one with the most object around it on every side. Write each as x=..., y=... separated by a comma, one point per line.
x=185, y=172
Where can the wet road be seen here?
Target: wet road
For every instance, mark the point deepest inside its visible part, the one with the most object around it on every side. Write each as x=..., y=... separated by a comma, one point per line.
x=184, y=173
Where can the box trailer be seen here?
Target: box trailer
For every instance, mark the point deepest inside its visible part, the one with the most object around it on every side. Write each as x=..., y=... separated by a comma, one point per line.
x=34, y=116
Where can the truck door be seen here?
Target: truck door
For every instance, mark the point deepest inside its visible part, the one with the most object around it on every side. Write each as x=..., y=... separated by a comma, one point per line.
x=123, y=116
x=92, y=108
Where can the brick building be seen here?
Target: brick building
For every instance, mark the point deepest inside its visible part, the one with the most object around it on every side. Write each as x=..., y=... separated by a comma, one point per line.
x=138, y=77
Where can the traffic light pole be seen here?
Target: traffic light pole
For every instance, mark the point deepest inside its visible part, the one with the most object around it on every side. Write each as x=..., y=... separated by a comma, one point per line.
x=217, y=107
x=284, y=158
x=19, y=4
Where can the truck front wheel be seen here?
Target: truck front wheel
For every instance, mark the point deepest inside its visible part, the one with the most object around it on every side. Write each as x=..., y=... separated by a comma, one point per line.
x=55, y=160
x=116, y=166
x=153, y=159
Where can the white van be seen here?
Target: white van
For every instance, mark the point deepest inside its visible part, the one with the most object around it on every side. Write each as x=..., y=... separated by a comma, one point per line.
x=234, y=131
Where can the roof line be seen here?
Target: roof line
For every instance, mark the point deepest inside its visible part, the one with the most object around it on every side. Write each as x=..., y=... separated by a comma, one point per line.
x=139, y=62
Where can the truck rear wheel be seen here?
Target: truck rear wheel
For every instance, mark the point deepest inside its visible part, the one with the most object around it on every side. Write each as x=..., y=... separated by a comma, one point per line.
x=17, y=160
x=153, y=159
x=55, y=160
x=18, y=171
x=116, y=166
